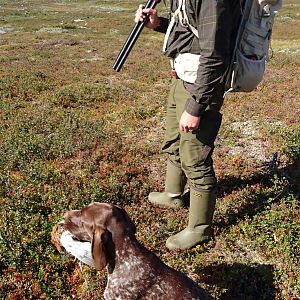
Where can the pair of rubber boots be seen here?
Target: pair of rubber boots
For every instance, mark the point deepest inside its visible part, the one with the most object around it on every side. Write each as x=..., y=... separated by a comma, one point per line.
x=201, y=209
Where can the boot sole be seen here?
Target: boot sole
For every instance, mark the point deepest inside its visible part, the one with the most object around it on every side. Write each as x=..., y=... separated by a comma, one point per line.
x=160, y=205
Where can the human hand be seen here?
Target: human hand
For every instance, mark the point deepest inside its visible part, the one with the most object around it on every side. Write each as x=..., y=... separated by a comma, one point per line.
x=142, y=13
x=188, y=122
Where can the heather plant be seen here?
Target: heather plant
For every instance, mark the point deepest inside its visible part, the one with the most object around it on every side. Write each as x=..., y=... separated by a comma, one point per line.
x=291, y=139
x=74, y=131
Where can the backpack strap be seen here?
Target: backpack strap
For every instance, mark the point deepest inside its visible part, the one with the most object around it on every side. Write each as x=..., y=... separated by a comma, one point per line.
x=185, y=20
x=170, y=27
x=245, y=10
x=180, y=15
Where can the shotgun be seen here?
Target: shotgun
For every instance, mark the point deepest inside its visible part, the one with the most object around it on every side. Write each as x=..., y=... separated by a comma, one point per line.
x=132, y=38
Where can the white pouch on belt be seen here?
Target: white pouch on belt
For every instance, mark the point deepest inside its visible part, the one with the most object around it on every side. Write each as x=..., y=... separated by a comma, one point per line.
x=186, y=66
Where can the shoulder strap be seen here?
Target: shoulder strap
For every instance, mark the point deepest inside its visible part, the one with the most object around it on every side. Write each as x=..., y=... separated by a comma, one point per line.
x=181, y=15
x=171, y=25
x=245, y=10
x=185, y=20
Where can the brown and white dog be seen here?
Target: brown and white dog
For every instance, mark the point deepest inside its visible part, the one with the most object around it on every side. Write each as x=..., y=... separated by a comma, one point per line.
x=134, y=272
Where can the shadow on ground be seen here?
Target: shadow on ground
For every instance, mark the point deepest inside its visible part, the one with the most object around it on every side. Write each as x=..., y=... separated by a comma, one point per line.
x=240, y=281
x=261, y=197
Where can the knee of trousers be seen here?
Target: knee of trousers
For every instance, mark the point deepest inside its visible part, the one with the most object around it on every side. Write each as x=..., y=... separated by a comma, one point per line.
x=197, y=163
x=201, y=175
x=196, y=150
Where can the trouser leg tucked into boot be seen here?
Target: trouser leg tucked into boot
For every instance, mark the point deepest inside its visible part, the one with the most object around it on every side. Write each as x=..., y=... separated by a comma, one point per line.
x=174, y=187
x=202, y=206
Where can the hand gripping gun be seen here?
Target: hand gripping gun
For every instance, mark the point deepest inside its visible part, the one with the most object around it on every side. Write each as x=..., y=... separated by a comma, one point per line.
x=132, y=38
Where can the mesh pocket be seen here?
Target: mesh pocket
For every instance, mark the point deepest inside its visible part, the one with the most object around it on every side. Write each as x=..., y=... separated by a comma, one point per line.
x=248, y=73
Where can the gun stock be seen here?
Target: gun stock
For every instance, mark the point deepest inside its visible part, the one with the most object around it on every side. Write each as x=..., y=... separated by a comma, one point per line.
x=132, y=38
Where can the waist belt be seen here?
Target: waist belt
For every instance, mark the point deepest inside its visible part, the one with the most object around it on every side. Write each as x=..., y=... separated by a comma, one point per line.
x=174, y=74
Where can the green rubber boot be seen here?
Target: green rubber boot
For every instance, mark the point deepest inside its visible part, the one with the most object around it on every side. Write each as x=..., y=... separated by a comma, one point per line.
x=174, y=187
x=202, y=206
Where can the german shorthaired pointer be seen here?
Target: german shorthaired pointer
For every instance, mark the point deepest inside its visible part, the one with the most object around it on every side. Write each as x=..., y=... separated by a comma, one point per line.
x=133, y=271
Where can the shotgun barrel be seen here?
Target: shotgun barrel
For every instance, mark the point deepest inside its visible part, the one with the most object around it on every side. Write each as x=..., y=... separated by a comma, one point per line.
x=132, y=38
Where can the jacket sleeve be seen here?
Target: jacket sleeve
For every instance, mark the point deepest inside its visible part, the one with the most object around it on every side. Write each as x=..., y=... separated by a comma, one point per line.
x=215, y=30
x=164, y=23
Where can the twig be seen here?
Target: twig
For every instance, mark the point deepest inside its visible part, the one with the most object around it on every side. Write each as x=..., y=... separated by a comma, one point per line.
x=83, y=275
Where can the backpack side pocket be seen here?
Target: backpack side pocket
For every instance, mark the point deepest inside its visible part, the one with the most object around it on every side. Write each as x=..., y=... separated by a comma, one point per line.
x=255, y=41
x=247, y=73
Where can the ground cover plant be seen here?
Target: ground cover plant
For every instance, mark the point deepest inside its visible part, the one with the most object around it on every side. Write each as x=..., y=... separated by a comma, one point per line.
x=74, y=131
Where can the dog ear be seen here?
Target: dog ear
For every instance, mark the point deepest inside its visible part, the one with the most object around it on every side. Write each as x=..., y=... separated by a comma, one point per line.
x=100, y=247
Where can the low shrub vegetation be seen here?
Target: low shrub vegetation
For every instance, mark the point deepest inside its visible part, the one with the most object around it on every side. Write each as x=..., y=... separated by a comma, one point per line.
x=74, y=131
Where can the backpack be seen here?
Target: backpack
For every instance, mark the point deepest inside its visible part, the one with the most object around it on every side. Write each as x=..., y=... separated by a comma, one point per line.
x=250, y=53
x=251, y=50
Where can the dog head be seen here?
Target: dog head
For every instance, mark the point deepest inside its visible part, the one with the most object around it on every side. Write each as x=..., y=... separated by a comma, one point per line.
x=104, y=225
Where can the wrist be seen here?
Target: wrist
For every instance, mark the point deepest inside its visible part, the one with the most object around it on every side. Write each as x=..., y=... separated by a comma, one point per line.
x=194, y=108
x=153, y=24
x=156, y=23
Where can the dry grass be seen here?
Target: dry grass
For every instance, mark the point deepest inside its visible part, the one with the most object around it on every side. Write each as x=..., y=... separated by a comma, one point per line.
x=73, y=131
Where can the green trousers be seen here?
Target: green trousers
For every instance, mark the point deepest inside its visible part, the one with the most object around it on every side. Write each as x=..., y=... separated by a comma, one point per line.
x=191, y=151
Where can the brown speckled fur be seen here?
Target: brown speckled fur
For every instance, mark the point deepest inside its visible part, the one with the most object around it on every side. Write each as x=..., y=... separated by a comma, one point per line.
x=134, y=272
